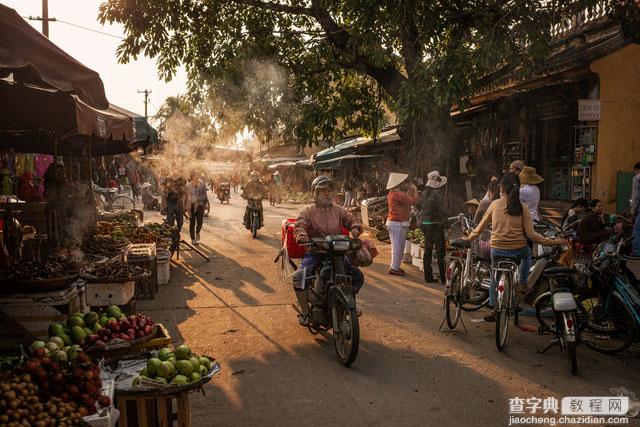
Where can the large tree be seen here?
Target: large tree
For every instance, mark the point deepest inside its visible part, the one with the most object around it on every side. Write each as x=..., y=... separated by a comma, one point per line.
x=335, y=63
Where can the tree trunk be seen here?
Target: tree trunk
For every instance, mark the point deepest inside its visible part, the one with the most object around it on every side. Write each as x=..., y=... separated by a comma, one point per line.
x=430, y=145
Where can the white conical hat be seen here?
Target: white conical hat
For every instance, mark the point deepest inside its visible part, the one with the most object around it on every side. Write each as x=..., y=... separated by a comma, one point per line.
x=396, y=179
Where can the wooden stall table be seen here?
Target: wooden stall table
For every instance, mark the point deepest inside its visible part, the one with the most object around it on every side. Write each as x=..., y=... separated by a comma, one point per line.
x=156, y=411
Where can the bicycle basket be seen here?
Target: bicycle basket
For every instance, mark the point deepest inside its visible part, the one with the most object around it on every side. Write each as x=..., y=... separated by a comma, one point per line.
x=481, y=247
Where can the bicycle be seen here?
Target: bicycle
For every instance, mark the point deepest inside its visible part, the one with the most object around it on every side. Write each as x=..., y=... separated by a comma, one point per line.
x=468, y=278
x=507, y=298
x=109, y=200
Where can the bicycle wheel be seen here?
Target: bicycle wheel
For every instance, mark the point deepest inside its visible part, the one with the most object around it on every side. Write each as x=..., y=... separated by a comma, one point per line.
x=452, y=300
x=122, y=203
x=610, y=329
x=477, y=296
x=503, y=313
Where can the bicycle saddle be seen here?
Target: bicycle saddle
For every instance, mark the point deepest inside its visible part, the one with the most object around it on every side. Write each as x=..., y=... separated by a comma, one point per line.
x=460, y=243
x=508, y=259
x=559, y=271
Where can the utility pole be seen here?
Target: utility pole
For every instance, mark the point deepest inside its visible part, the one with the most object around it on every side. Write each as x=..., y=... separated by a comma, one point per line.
x=146, y=99
x=45, y=18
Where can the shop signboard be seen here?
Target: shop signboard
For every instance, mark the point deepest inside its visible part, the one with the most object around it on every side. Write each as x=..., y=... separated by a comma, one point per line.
x=589, y=110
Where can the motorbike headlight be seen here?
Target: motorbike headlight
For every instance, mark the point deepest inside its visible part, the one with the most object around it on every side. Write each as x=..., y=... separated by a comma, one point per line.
x=341, y=245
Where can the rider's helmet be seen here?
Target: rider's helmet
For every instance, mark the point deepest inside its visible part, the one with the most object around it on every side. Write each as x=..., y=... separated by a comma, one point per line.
x=322, y=181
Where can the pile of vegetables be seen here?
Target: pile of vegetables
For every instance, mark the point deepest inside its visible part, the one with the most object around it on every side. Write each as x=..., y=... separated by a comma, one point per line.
x=106, y=245
x=179, y=367
x=114, y=270
x=54, y=266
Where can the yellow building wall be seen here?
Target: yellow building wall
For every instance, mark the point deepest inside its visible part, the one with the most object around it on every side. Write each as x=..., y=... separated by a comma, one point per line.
x=618, y=146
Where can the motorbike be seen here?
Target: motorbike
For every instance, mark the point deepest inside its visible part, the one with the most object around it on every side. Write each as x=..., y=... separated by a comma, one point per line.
x=332, y=297
x=224, y=192
x=559, y=305
x=255, y=219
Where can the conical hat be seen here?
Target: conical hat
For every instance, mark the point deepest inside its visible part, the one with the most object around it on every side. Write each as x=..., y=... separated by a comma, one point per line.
x=396, y=179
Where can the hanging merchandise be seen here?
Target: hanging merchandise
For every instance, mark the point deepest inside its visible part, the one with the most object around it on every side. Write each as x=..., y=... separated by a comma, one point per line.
x=7, y=187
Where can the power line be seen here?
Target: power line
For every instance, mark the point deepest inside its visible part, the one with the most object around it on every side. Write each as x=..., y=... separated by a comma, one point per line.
x=37, y=18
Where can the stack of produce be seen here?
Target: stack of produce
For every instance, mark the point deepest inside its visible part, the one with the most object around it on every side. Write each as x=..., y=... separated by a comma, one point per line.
x=106, y=245
x=93, y=329
x=51, y=268
x=160, y=234
x=20, y=404
x=415, y=236
x=76, y=380
x=112, y=271
x=179, y=367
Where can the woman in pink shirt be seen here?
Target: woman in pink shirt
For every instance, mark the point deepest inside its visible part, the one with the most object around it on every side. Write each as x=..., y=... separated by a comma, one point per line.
x=400, y=199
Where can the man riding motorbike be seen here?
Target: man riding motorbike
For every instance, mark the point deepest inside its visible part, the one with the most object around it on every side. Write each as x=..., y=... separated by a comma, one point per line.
x=319, y=220
x=254, y=187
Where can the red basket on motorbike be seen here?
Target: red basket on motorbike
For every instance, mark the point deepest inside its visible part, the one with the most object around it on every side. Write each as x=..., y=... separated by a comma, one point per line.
x=293, y=249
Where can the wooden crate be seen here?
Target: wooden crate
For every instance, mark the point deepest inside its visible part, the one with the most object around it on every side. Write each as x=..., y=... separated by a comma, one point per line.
x=162, y=340
x=159, y=411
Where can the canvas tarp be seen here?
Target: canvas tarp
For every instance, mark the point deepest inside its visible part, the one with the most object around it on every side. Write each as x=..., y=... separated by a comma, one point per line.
x=33, y=58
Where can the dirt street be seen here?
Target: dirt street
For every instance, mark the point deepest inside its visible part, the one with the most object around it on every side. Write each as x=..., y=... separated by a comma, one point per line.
x=275, y=372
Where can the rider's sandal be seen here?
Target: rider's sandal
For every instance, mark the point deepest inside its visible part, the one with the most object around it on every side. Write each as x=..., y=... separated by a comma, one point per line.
x=303, y=319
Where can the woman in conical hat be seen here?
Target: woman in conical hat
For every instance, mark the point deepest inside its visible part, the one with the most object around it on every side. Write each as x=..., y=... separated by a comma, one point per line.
x=400, y=199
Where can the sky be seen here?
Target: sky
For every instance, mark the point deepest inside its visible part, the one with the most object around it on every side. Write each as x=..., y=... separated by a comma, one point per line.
x=98, y=52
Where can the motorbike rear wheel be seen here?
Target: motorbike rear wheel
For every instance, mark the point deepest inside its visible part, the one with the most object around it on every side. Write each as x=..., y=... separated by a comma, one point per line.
x=347, y=341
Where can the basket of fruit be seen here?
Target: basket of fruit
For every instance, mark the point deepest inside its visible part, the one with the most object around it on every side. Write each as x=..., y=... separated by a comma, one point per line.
x=166, y=373
x=103, y=332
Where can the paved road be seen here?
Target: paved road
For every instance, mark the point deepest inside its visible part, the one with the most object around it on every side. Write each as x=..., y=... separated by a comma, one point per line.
x=407, y=373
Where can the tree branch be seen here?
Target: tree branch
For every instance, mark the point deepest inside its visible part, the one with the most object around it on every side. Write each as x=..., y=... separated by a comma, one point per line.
x=276, y=7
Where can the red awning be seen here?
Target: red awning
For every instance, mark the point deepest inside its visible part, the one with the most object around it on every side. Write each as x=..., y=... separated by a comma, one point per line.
x=34, y=59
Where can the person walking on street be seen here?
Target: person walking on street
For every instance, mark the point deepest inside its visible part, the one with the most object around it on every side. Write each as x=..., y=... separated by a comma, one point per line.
x=196, y=194
x=432, y=219
x=635, y=209
x=529, y=192
x=348, y=193
x=511, y=226
x=174, y=187
x=278, y=180
x=399, y=200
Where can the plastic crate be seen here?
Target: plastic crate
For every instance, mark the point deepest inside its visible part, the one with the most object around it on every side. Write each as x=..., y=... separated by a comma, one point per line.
x=164, y=268
x=104, y=294
x=107, y=417
x=140, y=252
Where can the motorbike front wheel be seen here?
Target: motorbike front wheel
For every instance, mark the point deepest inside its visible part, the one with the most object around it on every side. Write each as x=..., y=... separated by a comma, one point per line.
x=347, y=340
x=254, y=226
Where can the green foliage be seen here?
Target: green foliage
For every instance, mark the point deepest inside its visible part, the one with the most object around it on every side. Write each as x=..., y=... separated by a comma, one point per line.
x=319, y=69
